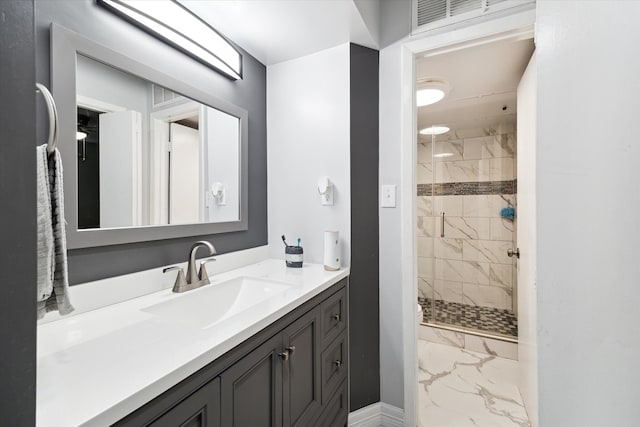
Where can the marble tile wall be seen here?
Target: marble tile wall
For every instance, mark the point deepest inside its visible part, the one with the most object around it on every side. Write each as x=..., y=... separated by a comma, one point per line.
x=484, y=158
x=474, y=179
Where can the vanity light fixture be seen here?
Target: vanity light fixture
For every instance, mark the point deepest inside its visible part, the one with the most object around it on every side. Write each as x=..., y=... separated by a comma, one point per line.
x=80, y=135
x=434, y=130
x=431, y=91
x=179, y=27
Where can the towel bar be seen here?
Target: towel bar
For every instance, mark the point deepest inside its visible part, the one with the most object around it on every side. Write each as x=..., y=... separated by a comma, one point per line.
x=52, y=140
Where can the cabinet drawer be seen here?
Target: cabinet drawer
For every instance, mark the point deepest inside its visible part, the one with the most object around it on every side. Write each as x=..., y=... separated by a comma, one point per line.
x=336, y=411
x=334, y=312
x=334, y=367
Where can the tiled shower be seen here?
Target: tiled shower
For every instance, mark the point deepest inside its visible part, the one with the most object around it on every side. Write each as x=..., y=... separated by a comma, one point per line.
x=465, y=278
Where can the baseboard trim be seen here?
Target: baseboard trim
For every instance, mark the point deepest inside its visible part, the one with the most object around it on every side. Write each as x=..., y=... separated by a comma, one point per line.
x=377, y=414
x=392, y=416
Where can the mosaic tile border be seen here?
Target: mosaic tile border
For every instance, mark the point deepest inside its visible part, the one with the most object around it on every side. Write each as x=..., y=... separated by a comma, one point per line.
x=468, y=188
x=485, y=319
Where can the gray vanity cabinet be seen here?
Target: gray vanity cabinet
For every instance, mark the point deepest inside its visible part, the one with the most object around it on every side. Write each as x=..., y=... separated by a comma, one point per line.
x=291, y=374
x=252, y=388
x=277, y=384
x=200, y=409
x=301, y=373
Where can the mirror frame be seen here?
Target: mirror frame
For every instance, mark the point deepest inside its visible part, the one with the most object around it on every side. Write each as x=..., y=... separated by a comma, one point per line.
x=65, y=46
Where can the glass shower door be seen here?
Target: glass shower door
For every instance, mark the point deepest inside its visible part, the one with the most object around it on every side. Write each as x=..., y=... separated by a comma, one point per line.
x=467, y=277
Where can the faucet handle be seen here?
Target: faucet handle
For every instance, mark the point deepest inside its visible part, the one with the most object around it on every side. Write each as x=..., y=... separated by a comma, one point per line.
x=181, y=280
x=204, y=277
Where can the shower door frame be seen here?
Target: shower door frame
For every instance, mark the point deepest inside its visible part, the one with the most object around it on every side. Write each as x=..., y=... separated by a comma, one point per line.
x=515, y=26
x=437, y=223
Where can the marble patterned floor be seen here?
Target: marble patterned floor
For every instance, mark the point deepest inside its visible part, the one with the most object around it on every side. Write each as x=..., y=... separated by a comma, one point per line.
x=460, y=388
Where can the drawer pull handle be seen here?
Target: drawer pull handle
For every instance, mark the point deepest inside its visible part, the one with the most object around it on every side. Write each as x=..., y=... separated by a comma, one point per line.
x=336, y=317
x=338, y=363
x=287, y=352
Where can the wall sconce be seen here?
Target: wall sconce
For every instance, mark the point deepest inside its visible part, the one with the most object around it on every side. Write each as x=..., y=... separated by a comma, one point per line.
x=325, y=189
x=179, y=27
x=219, y=193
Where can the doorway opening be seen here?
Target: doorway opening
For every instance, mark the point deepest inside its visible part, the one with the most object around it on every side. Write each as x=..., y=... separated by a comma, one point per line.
x=467, y=233
x=467, y=188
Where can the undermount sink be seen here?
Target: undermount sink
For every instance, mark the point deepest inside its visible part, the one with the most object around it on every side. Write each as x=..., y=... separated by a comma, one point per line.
x=207, y=306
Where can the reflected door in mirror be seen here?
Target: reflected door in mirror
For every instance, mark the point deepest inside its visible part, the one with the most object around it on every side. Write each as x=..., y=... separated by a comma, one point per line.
x=184, y=175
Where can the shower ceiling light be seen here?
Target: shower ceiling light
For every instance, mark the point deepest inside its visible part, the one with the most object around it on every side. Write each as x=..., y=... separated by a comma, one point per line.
x=434, y=130
x=431, y=91
x=428, y=96
x=176, y=25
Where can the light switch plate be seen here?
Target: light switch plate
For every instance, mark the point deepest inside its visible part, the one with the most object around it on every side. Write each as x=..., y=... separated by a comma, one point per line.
x=388, y=196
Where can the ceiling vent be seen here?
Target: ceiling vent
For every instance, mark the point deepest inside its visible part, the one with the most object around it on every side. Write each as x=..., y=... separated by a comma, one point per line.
x=431, y=14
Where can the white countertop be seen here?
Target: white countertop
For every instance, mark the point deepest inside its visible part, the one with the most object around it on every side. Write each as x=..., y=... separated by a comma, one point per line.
x=96, y=367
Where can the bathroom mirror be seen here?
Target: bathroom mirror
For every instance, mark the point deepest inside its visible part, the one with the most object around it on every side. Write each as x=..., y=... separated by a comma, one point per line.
x=149, y=156
x=146, y=156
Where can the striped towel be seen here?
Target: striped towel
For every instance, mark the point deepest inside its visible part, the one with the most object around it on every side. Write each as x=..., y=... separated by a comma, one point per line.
x=53, y=282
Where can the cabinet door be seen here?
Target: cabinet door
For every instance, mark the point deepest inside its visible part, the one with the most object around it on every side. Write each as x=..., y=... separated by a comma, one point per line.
x=336, y=412
x=201, y=409
x=252, y=388
x=301, y=371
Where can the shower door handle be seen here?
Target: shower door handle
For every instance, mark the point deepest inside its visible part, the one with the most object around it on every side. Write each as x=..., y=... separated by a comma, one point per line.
x=442, y=227
x=511, y=252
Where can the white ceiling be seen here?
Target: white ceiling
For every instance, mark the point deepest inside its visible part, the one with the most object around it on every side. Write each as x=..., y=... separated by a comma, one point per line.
x=483, y=80
x=278, y=30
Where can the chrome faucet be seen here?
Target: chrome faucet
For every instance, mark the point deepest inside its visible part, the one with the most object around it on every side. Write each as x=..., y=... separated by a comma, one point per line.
x=193, y=280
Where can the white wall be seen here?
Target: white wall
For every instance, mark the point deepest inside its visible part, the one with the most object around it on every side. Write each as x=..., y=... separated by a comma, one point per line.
x=107, y=84
x=391, y=340
x=395, y=21
x=588, y=199
x=308, y=137
x=222, y=132
x=398, y=274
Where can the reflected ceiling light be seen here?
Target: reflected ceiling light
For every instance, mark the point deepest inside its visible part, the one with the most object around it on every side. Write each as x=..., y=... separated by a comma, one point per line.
x=431, y=91
x=439, y=155
x=434, y=130
x=176, y=25
x=80, y=135
x=428, y=96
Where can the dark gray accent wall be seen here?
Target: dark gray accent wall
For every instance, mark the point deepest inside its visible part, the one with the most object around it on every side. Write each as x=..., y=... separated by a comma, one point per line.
x=364, y=313
x=17, y=215
x=87, y=18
